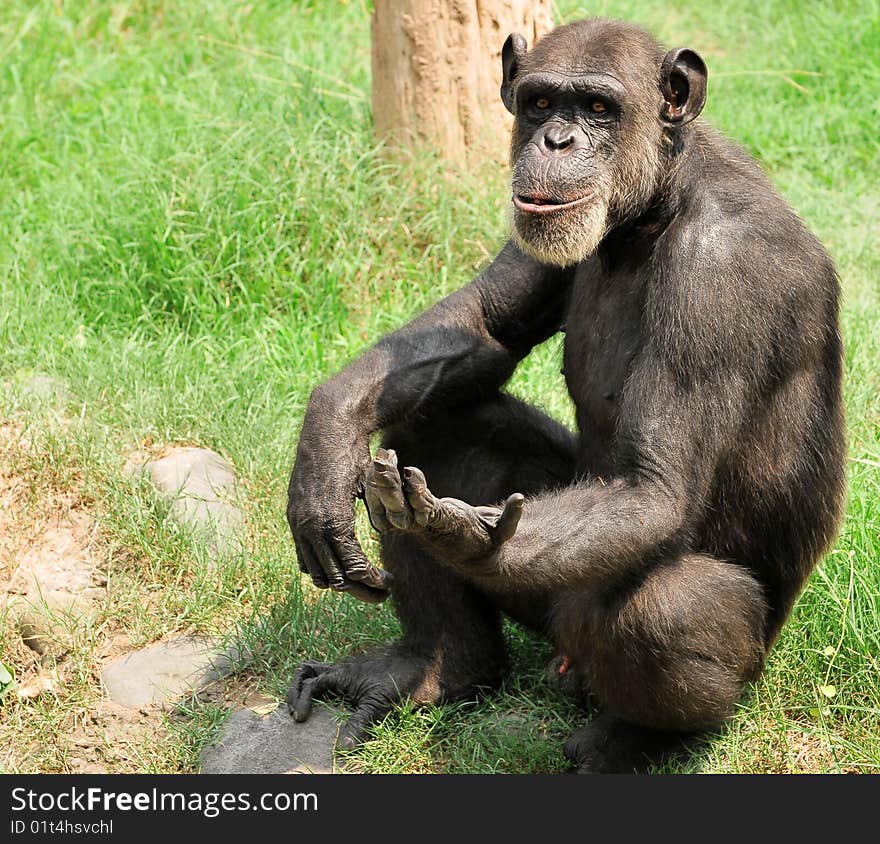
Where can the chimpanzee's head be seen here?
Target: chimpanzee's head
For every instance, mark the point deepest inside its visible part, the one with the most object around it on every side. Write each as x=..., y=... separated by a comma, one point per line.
x=597, y=107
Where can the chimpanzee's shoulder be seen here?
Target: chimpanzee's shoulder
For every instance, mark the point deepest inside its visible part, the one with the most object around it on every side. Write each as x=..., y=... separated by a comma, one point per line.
x=732, y=226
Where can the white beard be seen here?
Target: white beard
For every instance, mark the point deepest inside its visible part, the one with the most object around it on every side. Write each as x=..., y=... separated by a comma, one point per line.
x=563, y=238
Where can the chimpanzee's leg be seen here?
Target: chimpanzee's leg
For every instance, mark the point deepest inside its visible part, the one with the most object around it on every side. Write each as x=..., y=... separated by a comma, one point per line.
x=667, y=658
x=452, y=644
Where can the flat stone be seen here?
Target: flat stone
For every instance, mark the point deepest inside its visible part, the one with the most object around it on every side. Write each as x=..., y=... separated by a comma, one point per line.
x=273, y=744
x=202, y=488
x=161, y=672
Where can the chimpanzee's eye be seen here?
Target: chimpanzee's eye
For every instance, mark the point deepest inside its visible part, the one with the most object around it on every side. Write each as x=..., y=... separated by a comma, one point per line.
x=598, y=107
x=542, y=103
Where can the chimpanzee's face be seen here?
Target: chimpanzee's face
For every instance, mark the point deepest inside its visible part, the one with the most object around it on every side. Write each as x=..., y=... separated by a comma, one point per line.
x=592, y=103
x=567, y=130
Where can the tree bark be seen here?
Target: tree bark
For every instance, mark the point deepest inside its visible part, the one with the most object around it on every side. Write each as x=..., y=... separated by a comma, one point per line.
x=437, y=72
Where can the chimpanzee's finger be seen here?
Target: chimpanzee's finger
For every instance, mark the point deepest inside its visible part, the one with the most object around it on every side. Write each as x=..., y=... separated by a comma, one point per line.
x=310, y=688
x=330, y=572
x=308, y=563
x=368, y=574
x=362, y=571
x=355, y=731
x=373, y=502
x=367, y=594
x=509, y=519
x=420, y=498
x=304, y=672
x=329, y=563
x=355, y=565
x=387, y=483
x=301, y=558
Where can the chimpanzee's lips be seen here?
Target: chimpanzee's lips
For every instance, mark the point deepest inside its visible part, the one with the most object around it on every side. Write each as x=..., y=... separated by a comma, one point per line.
x=543, y=204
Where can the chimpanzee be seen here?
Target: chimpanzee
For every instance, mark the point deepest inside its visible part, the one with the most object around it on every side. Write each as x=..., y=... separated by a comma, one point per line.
x=662, y=546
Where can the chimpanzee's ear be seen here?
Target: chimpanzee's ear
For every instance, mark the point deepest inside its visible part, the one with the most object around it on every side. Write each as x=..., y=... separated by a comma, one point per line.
x=683, y=83
x=512, y=54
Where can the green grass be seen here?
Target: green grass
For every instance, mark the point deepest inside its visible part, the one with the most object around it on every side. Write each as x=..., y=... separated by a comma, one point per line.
x=197, y=226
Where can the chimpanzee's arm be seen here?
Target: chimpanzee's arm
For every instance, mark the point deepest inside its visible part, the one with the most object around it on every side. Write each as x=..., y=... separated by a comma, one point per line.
x=464, y=347
x=602, y=531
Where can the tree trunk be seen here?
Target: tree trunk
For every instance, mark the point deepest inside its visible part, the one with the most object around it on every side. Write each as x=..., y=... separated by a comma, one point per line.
x=437, y=72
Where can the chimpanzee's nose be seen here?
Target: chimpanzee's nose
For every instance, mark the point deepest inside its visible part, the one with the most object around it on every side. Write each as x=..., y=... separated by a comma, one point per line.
x=557, y=138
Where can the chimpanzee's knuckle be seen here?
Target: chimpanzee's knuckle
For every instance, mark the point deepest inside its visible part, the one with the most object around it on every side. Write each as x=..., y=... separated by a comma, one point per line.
x=355, y=569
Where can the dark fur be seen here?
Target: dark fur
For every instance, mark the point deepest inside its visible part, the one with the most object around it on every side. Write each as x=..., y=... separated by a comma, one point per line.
x=663, y=547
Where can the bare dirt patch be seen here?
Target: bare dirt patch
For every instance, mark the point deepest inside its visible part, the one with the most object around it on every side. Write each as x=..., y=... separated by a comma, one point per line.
x=11, y=489
x=50, y=577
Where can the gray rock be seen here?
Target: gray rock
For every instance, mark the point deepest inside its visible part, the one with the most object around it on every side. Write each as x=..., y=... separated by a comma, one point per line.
x=274, y=744
x=203, y=492
x=159, y=673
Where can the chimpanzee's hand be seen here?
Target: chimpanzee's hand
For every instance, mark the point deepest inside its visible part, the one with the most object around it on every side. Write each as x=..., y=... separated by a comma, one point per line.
x=459, y=532
x=331, y=462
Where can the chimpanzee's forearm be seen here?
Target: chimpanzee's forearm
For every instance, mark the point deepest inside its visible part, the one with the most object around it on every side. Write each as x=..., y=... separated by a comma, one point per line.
x=586, y=536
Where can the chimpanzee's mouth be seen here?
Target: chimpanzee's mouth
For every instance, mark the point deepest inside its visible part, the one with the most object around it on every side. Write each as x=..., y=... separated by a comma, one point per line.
x=545, y=204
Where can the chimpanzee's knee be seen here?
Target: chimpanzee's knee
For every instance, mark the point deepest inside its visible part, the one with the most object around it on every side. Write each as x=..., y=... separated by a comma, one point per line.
x=674, y=652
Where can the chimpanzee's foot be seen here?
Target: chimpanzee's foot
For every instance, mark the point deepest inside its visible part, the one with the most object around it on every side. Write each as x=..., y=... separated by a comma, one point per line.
x=372, y=684
x=610, y=746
